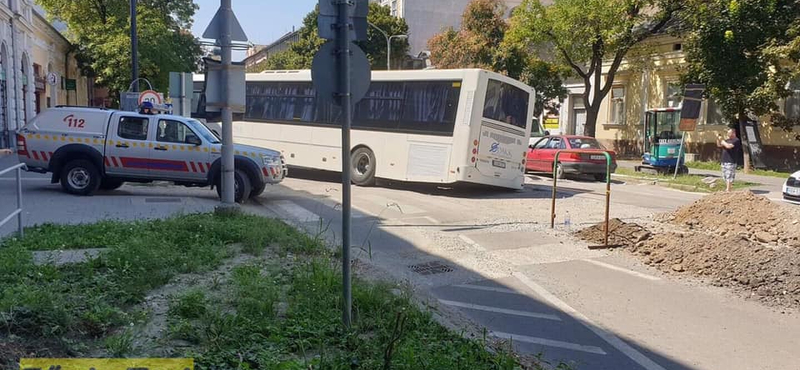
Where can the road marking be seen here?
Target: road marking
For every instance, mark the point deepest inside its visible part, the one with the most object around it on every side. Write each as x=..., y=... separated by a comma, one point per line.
x=550, y=342
x=623, y=270
x=487, y=288
x=611, y=339
x=297, y=212
x=26, y=179
x=471, y=242
x=478, y=307
x=431, y=219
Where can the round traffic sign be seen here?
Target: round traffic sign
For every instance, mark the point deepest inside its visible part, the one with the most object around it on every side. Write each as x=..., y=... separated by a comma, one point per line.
x=325, y=73
x=149, y=95
x=52, y=78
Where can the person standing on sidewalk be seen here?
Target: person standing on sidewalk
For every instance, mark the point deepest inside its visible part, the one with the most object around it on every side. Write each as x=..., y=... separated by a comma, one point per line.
x=730, y=151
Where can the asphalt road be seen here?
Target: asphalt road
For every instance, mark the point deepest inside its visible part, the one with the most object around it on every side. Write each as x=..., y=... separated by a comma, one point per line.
x=491, y=255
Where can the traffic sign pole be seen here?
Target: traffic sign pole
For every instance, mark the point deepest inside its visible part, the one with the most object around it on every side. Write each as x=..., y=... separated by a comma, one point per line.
x=343, y=43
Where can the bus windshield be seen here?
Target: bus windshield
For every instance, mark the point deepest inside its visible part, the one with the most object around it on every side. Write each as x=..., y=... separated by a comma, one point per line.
x=506, y=103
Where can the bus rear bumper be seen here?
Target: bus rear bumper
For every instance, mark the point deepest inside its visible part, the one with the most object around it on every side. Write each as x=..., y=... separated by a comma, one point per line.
x=470, y=174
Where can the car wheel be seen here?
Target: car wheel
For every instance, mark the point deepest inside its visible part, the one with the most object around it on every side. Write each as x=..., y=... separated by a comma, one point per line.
x=363, y=167
x=242, y=187
x=80, y=177
x=560, y=172
x=600, y=177
x=110, y=184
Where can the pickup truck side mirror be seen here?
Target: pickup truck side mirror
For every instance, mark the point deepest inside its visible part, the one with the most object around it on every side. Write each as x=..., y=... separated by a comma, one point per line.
x=194, y=140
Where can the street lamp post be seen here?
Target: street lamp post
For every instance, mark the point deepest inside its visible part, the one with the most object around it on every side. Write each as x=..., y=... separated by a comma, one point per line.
x=389, y=44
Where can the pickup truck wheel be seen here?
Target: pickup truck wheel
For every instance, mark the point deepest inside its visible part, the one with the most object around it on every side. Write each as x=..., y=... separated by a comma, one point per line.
x=80, y=177
x=257, y=191
x=110, y=184
x=242, y=187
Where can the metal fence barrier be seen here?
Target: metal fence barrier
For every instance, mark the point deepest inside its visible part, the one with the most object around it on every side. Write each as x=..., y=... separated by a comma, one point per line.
x=18, y=211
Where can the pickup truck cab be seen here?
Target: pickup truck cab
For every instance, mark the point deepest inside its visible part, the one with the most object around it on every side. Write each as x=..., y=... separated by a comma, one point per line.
x=87, y=149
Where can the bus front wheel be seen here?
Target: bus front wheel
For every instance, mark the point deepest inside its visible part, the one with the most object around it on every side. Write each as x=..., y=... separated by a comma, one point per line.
x=363, y=167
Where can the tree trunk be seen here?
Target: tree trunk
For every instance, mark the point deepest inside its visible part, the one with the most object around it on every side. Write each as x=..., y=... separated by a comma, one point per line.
x=743, y=138
x=590, y=129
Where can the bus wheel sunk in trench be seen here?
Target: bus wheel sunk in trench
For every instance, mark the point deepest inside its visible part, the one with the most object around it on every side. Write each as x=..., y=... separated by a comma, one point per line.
x=363, y=165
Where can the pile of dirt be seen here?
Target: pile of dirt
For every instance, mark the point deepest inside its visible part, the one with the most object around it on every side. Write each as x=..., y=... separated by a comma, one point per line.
x=743, y=214
x=737, y=240
x=771, y=274
x=619, y=233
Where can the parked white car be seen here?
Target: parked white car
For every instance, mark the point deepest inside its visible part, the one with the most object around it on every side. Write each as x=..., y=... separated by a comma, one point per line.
x=791, y=188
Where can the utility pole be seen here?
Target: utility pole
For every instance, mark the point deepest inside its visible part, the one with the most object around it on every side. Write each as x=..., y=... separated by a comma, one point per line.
x=134, y=49
x=227, y=114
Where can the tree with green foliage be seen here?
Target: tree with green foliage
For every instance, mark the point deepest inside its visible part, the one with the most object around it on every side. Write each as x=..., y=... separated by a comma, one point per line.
x=100, y=31
x=584, y=34
x=746, y=52
x=301, y=53
x=480, y=43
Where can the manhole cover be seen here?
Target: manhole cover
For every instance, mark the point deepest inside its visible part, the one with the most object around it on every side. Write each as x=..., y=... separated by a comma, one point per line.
x=162, y=200
x=430, y=268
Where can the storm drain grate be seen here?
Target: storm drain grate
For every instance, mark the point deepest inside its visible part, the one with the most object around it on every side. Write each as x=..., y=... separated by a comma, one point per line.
x=430, y=268
x=162, y=200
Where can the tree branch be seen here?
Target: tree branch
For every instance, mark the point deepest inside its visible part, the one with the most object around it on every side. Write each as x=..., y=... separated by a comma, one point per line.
x=566, y=56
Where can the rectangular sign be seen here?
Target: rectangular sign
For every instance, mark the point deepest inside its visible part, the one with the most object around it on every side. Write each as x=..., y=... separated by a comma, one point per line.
x=690, y=109
x=71, y=84
x=106, y=363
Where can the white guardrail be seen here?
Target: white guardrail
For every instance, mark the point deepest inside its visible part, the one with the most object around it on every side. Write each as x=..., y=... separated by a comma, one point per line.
x=18, y=211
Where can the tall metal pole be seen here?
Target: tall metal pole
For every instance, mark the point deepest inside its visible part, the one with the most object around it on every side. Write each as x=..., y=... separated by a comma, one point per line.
x=227, y=182
x=389, y=54
x=343, y=47
x=134, y=49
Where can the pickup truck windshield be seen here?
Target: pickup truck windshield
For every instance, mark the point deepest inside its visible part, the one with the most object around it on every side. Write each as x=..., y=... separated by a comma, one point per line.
x=203, y=131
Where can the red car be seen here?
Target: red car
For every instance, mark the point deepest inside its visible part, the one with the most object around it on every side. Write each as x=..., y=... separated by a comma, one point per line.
x=542, y=154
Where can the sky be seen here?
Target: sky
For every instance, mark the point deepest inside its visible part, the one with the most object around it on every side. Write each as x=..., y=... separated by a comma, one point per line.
x=263, y=21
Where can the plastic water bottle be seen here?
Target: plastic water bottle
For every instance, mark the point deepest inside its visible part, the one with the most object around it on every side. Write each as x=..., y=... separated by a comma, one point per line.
x=567, y=221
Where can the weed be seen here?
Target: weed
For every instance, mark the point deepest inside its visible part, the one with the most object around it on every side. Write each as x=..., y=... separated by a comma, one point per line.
x=119, y=345
x=191, y=305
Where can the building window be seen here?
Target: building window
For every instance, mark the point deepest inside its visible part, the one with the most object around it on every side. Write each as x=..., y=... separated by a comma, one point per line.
x=672, y=95
x=617, y=105
x=791, y=105
x=714, y=114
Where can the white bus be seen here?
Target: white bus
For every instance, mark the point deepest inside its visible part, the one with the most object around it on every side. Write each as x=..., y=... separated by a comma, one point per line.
x=429, y=126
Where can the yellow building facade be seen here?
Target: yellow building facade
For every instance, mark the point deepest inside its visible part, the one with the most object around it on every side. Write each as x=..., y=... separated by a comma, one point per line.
x=651, y=80
x=31, y=49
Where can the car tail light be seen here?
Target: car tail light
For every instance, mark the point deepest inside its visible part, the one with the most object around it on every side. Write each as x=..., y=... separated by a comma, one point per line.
x=474, y=151
x=22, y=145
x=475, y=142
x=473, y=159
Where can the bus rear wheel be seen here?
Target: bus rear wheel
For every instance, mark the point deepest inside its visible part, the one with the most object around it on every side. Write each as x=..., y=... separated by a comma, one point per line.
x=362, y=163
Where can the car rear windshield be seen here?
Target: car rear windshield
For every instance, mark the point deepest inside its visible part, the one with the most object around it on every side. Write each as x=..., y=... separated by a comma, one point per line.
x=506, y=103
x=584, y=143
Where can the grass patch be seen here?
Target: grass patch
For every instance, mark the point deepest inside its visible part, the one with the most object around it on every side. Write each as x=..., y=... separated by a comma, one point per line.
x=86, y=301
x=281, y=313
x=715, y=166
x=685, y=182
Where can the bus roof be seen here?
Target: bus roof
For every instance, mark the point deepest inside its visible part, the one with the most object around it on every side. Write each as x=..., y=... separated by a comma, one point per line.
x=406, y=75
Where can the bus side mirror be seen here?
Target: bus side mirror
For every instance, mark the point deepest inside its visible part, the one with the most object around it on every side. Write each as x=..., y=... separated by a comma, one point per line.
x=547, y=133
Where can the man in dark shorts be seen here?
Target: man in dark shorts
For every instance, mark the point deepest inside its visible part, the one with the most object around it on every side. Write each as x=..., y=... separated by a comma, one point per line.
x=730, y=151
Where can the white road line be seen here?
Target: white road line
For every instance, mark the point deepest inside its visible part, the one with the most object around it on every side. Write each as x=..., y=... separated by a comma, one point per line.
x=478, y=307
x=623, y=270
x=611, y=339
x=297, y=212
x=431, y=219
x=25, y=179
x=469, y=241
x=550, y=343
x=487, y=288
